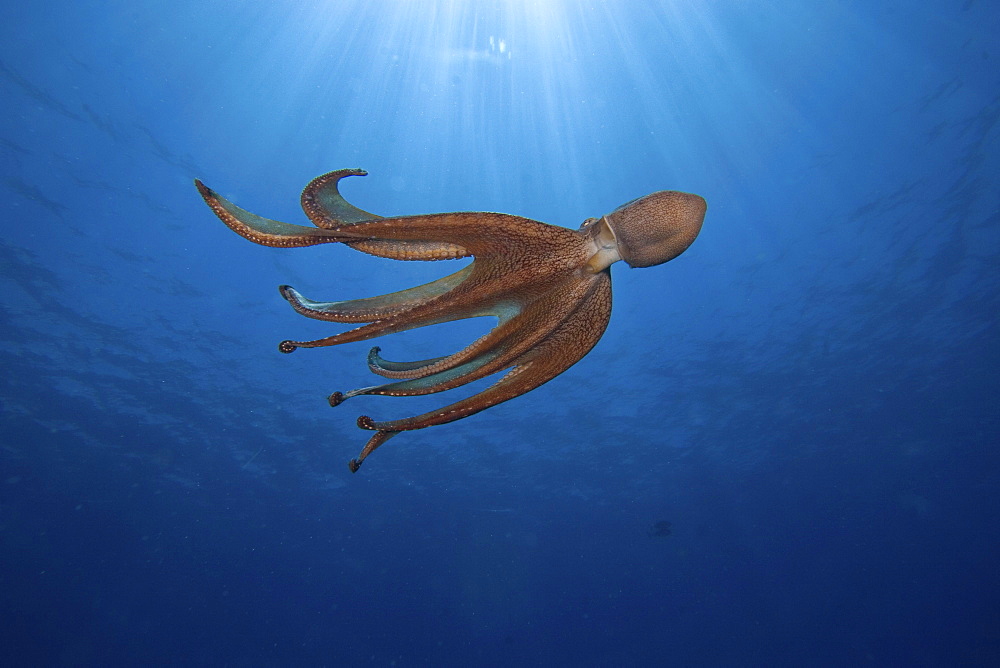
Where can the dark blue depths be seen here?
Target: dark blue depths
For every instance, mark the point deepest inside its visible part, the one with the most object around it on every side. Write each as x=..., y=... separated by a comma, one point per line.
x=808, y=395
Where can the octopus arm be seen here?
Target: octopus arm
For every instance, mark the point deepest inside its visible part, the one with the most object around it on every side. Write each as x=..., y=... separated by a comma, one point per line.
x=519, y=329
x=476, y=233
x=338, y=213
x=427, y=237
x=381, y=366
x=326, y=207
x=371, y=309
x=449, y=306
x=260, y=230
x=409, y=250
x=443, y=373
x=563, y=347
x=439, y=381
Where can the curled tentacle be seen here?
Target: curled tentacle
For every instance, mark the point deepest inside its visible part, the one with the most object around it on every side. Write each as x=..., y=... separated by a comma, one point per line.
x=326, y=207
x=420, y=369
x=376, y=440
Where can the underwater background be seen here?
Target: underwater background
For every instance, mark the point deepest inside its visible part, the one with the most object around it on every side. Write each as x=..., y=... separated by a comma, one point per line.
x=783, y=452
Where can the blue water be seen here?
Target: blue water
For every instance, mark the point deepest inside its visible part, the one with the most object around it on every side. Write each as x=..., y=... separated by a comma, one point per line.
x=809, y=395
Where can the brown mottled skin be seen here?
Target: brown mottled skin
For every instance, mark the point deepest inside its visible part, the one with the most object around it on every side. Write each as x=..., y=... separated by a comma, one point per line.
x=549, y=287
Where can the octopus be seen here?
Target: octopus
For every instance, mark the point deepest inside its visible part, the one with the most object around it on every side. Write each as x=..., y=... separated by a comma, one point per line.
x=548, y=287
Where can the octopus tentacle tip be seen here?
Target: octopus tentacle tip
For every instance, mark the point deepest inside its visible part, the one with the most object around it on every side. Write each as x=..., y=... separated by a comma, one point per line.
x=336, y=398
x=287, y=347
x=365, y=422
x=354, y=465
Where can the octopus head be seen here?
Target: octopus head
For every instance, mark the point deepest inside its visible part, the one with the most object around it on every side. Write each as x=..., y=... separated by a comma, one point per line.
x=656, y=228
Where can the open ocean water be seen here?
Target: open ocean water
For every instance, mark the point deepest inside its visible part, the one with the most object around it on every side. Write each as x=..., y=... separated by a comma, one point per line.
x=783, y=452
